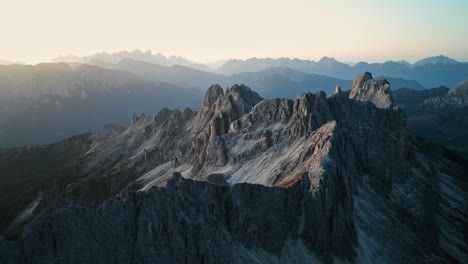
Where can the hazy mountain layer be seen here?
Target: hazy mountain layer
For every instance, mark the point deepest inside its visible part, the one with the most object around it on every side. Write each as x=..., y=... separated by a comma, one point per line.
x=271, y=83
x=49, y=102
x=455, y=98
x=411, y=99
x=429, y=72
x=115, y=57
x=439, y=114
x=398, y=83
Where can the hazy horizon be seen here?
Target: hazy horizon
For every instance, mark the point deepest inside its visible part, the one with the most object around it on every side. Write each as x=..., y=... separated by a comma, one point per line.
x=218, y=61
x=208, y=30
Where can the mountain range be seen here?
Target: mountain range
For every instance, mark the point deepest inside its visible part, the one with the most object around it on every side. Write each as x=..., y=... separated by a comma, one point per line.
x=429, y=72
x=146, y=56
x=272, y=82
x=45, y=103
x=48, y=102
x=439, y=114
x=245, y=179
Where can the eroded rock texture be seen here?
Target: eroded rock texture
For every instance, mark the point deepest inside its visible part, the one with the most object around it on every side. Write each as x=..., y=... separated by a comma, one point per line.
x=376, y=91
x=341, y=179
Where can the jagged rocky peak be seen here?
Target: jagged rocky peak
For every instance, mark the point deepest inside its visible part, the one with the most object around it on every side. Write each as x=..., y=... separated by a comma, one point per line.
x=239, y=100
x=218, y=112
x=243, y=98
x=221, y=108
x=361, y=79
x=265, y=113
x=338, y=89
x=310, y=111
x=137, y=117
x=240, y=95
x=378, y=92
x=212, y=94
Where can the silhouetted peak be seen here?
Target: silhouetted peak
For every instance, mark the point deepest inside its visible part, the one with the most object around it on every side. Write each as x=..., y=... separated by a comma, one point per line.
x=440, y=59
x=327, y=60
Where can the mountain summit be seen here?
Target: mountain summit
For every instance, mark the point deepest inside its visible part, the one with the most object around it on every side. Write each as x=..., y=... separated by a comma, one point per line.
x=365, y=88
x=441, y=59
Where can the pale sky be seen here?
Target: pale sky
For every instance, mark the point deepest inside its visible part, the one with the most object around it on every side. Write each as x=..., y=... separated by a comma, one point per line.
x=207, y=30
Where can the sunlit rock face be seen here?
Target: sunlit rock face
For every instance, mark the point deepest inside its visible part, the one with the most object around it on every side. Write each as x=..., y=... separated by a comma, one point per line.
x=248, y=180
x=375, y=91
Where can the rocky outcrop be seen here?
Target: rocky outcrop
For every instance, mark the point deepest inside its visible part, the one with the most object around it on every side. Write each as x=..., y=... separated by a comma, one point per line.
x=114, y=159
x=265, y=113
x=343, y=180
x=197, y=222
x=219, y=110
x=376, y=91
x=311, y=111
x=338, y=89
x=360, y=81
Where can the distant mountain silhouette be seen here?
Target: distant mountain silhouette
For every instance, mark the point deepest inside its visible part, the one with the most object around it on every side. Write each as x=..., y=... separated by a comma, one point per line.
x=429, y=72
x=283, y=82
x=439, y=114
x=410, y=99
x=398, y=83
x=176, y=74
x=441, y=59
x=115, y=57
x=257, y=64
x=49, y=102
x=270, y=83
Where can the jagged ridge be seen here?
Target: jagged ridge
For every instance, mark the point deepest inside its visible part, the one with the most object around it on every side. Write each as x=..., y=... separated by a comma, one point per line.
x=372, y=183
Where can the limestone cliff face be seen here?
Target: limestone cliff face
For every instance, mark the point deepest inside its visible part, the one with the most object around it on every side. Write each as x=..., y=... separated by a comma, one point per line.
x=219, y=110
x=341, y=179
x=378, y=92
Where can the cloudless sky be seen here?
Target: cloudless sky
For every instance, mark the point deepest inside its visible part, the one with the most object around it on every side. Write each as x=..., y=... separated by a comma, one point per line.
x=206, y=30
